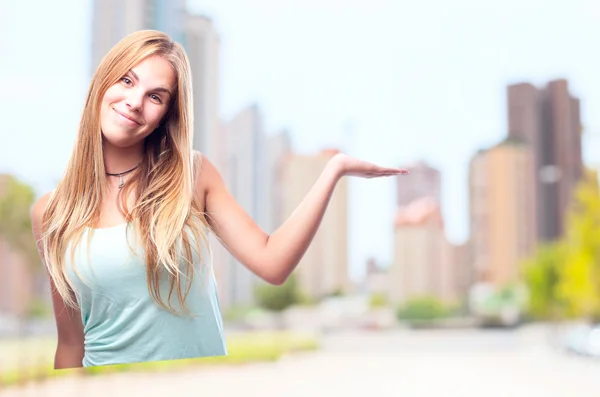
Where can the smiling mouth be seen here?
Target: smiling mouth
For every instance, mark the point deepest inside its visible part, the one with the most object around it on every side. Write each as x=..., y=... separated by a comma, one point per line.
x=125, y=117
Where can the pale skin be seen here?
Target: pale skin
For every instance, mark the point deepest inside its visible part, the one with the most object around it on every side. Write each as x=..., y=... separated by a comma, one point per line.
x=131, y=110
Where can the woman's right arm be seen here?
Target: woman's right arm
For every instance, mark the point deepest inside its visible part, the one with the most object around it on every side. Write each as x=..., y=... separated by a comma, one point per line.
x=70, y=347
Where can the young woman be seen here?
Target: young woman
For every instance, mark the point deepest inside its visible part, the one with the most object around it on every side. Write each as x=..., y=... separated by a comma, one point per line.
x=124, y=234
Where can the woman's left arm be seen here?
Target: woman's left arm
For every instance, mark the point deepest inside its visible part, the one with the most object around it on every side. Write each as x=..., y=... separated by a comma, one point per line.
x=274, y=257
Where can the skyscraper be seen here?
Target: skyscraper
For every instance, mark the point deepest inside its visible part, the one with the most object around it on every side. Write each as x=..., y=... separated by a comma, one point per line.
x=502, y=219
x=421, y=263
x=246, y=171
x=323, y=269
x=202, y=45
x=114, y=19
x=279, y=147
x=548, y=119
x=424, y=181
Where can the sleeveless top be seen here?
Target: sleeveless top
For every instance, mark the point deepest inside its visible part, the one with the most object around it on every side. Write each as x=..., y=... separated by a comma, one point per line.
x=122, y=322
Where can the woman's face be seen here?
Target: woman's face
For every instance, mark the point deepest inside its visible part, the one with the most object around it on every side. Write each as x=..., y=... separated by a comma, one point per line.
x=133, y=107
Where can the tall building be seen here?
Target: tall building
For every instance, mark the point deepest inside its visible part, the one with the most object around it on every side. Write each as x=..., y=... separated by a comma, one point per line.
x=424, y=181
x=246, y=180
x=114, y=19
x=201, y=40
x=462, y=264
x=279, y=147
x=548, y=119
x=323, y=269
x=376, y=279
x=221, y=258
x=211, y=137
x=502, y=216
x=421, y=264
x=202, y=45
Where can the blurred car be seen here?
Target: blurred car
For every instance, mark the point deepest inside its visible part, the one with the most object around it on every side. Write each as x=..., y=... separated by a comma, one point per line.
x=584, y=340
x=497, y=307
x=9, y=325
x=593, y=342
x=576, y=339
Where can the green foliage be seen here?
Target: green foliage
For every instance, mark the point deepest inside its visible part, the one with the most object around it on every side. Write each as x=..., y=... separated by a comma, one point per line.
x=235, y=313
x=277, y=298
x=378, y=299
x=563, y=278
x=579, y=279
x=337, y=293
x=306, y=300
x=16, y=201
x=38, y=308
x=422, y=308
x=541, y=275
x=499, y=302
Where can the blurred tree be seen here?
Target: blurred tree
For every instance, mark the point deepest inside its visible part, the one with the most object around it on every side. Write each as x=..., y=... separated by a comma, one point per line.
x=277, y=298
x=377, y=300
x=16, y=200
x=421, y=309
x=306, y=300
x=237, y=312
x=338, y=292
x=579, y=278
x=563, y=277
x=541, y=274
x=39, y=309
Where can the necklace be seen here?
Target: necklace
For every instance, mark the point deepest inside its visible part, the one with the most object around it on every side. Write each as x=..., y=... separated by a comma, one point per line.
x=120, y=175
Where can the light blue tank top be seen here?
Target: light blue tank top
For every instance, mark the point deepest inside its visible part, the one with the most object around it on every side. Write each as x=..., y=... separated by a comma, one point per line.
x=122, y=322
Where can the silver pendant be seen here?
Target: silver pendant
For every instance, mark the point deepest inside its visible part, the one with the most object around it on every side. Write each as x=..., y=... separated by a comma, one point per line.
x=120, y=181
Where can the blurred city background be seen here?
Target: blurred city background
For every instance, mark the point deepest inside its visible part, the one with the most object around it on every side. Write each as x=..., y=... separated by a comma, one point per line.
x=477, y=274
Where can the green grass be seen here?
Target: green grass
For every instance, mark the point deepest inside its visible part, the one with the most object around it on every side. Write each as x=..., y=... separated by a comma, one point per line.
x=37, y=355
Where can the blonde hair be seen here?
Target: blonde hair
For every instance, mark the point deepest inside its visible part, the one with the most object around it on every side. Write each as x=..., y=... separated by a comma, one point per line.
x=165, y=204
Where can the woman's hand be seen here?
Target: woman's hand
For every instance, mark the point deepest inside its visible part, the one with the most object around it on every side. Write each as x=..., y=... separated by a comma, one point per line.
x=344, y=164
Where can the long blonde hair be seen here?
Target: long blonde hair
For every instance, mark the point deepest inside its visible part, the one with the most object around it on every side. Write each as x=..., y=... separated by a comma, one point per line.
x=166, y=206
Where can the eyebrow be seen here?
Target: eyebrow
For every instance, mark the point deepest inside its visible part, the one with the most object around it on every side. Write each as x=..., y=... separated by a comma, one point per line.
x=158, y=89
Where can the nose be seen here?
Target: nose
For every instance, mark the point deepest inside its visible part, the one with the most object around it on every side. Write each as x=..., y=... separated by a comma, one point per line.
x=134, y=99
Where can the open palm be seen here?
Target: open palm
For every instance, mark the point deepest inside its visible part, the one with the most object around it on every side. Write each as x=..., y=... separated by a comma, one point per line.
x=352, y=166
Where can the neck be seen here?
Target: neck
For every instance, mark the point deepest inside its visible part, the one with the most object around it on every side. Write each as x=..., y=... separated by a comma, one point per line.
x=119, y=159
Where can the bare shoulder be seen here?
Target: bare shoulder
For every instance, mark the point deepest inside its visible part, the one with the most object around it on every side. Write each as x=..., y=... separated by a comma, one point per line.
x=207, y=175
x=38, y=210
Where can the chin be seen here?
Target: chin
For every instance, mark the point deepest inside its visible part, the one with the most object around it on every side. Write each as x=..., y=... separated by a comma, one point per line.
x=120, y=139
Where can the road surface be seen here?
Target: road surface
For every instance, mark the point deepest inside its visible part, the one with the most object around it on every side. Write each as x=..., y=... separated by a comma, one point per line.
x=462, y=363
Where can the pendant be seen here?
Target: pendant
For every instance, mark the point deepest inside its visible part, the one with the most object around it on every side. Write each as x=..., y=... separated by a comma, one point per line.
x=120, y=181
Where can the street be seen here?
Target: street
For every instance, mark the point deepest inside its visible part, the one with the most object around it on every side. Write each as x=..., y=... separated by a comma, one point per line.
x=462, y=363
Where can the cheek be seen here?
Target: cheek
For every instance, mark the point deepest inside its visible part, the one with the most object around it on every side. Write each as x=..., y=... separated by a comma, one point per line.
x=109, y=98
x=113, y=94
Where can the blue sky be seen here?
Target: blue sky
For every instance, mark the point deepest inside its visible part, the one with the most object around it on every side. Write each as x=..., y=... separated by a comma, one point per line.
x=412, y=80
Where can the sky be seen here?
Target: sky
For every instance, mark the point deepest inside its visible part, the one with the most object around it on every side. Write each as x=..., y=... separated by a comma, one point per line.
x=388, y=81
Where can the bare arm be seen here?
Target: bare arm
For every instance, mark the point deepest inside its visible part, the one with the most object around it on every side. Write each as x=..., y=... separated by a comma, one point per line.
x=70, y=347
x=274, y=257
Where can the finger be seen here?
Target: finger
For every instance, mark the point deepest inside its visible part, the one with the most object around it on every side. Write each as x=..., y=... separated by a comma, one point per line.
x=391, y=169
x=384, y=174
x=394, y=170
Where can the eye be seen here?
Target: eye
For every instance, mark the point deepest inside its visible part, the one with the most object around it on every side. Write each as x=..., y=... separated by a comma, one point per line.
x=125, y=80
x=155, y=98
